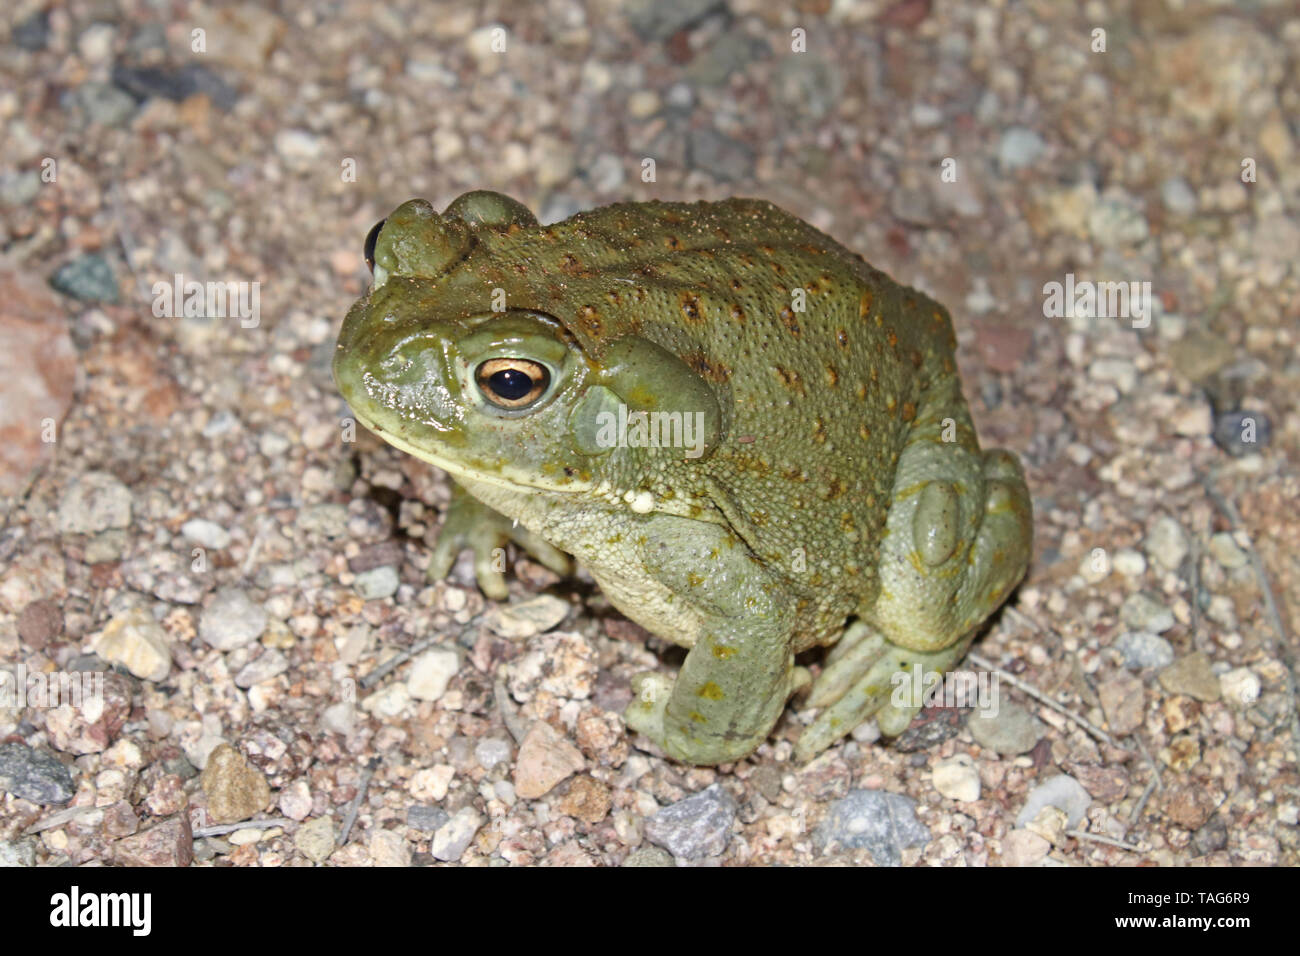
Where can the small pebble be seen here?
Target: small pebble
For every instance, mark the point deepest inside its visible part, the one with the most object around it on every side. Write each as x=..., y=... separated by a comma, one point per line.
x=1240, y=686
x=545, y=758
x=315, y=839
x=35, y=775
x=135, y=640
x=1023, y=848
x=206, y=534
x=1191, y=675
x=453, y=837
x=1166, y=543
x=527, y=617
x=1020, y=147
x=649, y=856
x=883, y=823
x=96, y=501
x=1008, y=730
x=231, y=620
x=378, y=583
x=1143, y=649
x=430, y=674
x=1142, y=612
x=1242, y=433
x=696, y=827
x=1130, y=563
x=957, y=779
x=1223, y=548
x=426, y=819
x=1061, y=791
x=88, y=278
x=235, y=789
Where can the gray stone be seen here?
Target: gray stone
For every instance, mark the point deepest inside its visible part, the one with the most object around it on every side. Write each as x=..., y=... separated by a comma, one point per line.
x=491, y=751
x=1241, y=433
x=96, y=501
x=17, y=853
x=267, y=665
x=1063, y=792
x=882, y=823
x=454, y=836
x=1019, y=147
x=426, y=819
x=206, y=534
x=231, y=620
x=1117, y=221
x=35, y=775
x=719, y=155
x=696, y=827
x=1177, y=196
x=329, y=520
x=1223, y=548
x=1166, y=543
x=1008, y=730
x=87, y=278
x=1142, y=612
x=378, y=582
x=660, y=19
x=18, y=187
x=100, y=103
x=1144, y=649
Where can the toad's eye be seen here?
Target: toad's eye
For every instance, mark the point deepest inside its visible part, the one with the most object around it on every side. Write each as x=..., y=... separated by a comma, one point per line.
x=511, y=382
x=371, y=239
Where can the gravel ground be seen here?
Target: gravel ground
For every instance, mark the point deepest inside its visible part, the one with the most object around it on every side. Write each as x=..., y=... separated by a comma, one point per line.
x=187, y=537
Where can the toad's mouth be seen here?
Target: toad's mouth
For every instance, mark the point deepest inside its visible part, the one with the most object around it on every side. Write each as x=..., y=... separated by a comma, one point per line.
x=497, y=472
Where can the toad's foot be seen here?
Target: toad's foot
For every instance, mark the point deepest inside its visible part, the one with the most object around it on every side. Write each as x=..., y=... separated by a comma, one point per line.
x=472, y=524
x=687, y=740
x=869, y=676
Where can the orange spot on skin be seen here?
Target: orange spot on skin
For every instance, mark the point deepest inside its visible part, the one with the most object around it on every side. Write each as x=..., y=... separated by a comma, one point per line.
x=711, y=691
x=790, y=379
x=789, y=321
x=590, y=317
x=864, y=303
x=690, y=306
x=842, y=339
x=909, y=411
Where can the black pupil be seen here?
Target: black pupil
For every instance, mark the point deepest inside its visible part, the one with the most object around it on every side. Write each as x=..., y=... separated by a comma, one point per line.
x=511, y=384
x=371, y=238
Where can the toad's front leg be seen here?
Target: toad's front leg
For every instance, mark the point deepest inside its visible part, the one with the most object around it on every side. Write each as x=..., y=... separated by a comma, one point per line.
x=740, y=671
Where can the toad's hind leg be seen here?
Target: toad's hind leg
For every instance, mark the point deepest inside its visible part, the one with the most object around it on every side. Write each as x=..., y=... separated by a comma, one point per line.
x=876, y=682
x=957, y=539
